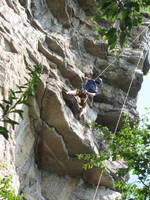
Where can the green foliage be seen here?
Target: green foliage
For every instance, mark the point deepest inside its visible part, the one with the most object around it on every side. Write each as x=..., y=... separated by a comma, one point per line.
x=122, y=16
x=132, y=144
x=19, y=96
x=6, y=191
x=92, y=160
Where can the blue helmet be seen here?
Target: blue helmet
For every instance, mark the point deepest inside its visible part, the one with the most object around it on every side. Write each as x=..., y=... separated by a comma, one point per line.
x=98, y=80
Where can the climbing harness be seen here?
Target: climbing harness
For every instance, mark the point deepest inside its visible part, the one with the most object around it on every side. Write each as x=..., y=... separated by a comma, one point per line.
x=81, y=93
x=125, y=100
x=83, y=97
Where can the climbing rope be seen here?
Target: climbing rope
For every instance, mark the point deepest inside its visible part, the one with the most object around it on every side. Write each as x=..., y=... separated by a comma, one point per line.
x=133, y=75
x=144, y=30
x=127, y=94
x=98, y=185
x=120, y=117
x=123, y=104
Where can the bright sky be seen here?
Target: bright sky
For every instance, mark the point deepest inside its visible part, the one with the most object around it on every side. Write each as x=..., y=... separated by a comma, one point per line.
x=144, y=95
x=143, y=101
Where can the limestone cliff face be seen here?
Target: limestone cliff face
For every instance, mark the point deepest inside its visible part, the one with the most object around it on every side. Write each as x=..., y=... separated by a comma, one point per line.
x=40, y=154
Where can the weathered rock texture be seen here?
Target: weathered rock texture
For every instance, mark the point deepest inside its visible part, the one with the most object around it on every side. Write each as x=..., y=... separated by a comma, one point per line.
x=41, y=154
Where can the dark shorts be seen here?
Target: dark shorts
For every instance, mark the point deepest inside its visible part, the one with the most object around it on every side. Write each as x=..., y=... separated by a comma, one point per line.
x=83, y=96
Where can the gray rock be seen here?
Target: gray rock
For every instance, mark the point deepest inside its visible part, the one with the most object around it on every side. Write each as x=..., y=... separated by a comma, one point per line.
x=41, y=152
x=59, y=10
x=87, y=4
x=96, y=48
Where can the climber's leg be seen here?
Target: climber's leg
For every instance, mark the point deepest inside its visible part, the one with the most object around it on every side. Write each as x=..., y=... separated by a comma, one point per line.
x=82, y=97
x=82, y=111
x=83, y=106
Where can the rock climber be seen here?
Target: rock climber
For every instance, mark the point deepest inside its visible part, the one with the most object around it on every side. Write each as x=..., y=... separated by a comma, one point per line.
x=89, y=89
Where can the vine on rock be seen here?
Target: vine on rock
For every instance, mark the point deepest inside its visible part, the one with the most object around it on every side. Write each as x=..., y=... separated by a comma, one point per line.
x=17, y=97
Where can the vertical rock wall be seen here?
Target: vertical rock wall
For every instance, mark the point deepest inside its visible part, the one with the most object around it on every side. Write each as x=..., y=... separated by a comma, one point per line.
x=40, y=154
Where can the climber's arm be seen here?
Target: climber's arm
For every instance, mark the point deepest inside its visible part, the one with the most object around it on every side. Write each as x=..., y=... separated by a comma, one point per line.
x=91, y=94
x=72, y=92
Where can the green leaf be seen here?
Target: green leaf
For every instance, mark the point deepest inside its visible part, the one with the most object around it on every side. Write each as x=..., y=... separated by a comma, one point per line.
x=4, y=132
x=7, y=101
x=12, y=122
x=2, y=106
x=148, y=10
x=96, y=37
x=122, y=38
x=6, y=192
x=24, y=91
x=104, y=37
x=27, y=79
x=12, y=92
x=20, y=112
x=7, y=108
x=18, y=91
x=24, y=102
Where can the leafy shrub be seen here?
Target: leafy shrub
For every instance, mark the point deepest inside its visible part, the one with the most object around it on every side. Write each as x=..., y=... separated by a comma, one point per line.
x=122, y=17
x=6, y=192
x=131, y=144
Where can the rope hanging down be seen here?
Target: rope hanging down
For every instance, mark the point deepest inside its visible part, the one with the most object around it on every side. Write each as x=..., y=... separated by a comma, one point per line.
x=122, y=106
x=120, y=117
x=144, y=30
x=98, y=185
x=127, y=94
